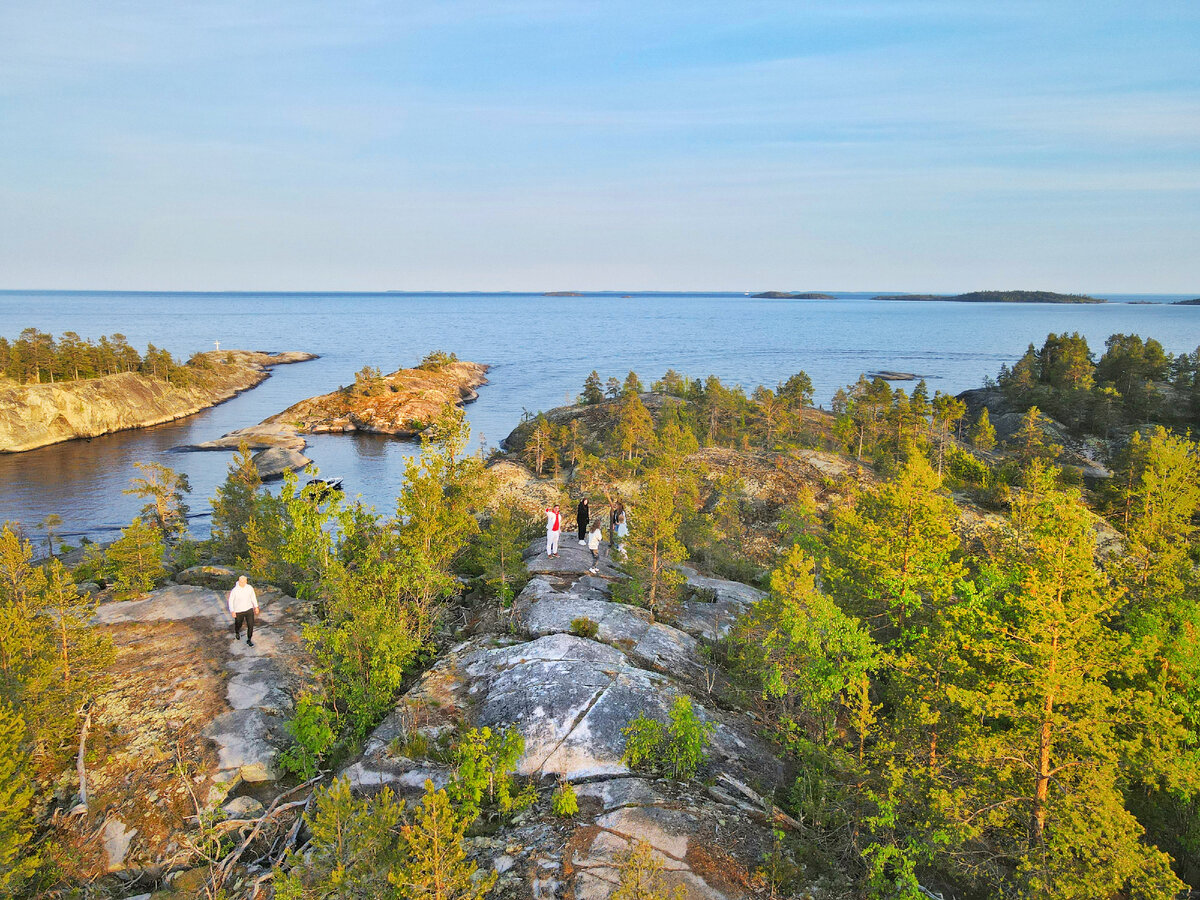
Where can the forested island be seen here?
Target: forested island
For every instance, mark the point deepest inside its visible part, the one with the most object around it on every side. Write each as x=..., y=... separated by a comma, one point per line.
x=785, y=295
x=1195, y=301
x=53, y=391
x=917, y=645
x=998, y=297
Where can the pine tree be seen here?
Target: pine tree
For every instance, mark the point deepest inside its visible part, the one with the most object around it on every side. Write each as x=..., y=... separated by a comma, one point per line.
x=807, y=656
x=593, y=391
x=135, y=560
x=634, y=431
x=17, y=863
x=641, y=876
x=234, y=506
x=983, y=434
x=355, y=846
x=893, y=556
x=653, y=546
x=436, y=866
x=164, y=491
x=1061, y=671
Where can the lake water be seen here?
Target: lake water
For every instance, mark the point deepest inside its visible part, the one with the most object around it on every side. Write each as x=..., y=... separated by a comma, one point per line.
x=540, y=349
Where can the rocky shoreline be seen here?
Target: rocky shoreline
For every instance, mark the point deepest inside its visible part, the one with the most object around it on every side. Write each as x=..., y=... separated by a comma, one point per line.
x=401, y=404
x=38, y=415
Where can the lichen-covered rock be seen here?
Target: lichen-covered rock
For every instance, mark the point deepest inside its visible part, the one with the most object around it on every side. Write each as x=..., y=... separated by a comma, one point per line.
x=402, y=403
x=542, y=610
x=189, y=713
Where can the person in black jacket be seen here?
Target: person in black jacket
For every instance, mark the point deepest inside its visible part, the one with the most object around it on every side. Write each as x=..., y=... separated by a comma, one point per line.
x=582, y=516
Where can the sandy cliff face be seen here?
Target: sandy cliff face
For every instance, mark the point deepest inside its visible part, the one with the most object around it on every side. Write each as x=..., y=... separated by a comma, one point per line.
x=35, y=415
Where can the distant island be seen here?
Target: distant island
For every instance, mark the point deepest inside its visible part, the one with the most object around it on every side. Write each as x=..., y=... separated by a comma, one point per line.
x=785, y=295
x=1195, y=301
x=998, y=297
x=562, y=294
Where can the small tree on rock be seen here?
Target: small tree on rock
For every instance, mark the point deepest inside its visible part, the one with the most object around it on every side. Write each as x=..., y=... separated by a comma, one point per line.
x=135, y=560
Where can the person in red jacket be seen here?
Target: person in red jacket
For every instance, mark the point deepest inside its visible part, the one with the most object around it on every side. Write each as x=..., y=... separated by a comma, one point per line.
x=553, y=529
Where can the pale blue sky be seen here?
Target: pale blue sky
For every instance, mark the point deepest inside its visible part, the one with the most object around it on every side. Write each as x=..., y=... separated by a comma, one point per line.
x=462, y=144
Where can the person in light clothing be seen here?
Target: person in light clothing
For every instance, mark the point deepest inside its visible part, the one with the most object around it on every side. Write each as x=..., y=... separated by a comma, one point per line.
x=553, y=529
x=243, y=606
x=593, y=544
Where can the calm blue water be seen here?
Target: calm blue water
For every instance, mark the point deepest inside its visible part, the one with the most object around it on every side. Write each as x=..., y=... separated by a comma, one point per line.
x=540, y=350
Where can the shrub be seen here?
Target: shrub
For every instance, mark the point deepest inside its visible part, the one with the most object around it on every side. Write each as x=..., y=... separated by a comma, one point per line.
x=584, y=627
x=675, y=749
x=312, y=730
x=436, y=359
x=485, y=763
x=564, y=802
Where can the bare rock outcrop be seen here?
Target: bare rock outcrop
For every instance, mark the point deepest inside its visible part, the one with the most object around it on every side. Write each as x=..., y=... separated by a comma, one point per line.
x=571, y=695
x=189, y=715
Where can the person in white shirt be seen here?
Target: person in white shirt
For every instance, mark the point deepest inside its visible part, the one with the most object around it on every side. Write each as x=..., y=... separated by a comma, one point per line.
x=553, y=528
x=593, y=544
x=243, y=606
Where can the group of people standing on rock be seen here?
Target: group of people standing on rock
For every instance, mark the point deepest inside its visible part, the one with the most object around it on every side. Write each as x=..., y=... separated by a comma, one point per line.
x=591, y=532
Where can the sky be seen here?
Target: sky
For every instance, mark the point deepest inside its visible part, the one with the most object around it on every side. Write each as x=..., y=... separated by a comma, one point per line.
x=916, y=145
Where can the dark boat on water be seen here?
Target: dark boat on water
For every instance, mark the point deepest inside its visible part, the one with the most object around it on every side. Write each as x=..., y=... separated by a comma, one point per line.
x=321, y=488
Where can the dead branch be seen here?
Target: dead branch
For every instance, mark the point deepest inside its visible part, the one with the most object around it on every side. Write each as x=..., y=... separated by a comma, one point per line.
x=80, y=765
x=758, y=799
x=222, y=869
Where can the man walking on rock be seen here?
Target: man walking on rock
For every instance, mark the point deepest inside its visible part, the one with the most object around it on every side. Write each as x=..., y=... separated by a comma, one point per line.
x=553, y=528
x=243, y=606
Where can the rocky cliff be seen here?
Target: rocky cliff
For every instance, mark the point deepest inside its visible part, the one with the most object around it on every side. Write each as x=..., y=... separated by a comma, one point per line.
x=35, y=415
x=400, y=404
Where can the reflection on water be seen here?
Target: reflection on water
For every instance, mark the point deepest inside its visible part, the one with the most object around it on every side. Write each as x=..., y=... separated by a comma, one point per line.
x=540, y=349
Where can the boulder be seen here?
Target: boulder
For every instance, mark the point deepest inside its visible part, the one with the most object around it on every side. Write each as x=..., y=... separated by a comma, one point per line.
x=273, y=462
x=243, y=808
x=219, y=578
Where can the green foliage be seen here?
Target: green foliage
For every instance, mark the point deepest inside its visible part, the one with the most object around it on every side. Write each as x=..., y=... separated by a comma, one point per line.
x=1127, y=386
x=675, y=749
x=484, y=766
x=564, y=803
x=311, y=729
x=983, y=433
x=497, y=555
x=435, y=866
x=135, y=560
x=584, y=627
x=437, y=359
x=35, y=356
x=640, y=874
x=354, y=848
x=17, y=862
x=653, y=548
x=805, y=656
x=163, y=489
x=593, y=390
x=234, y=506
